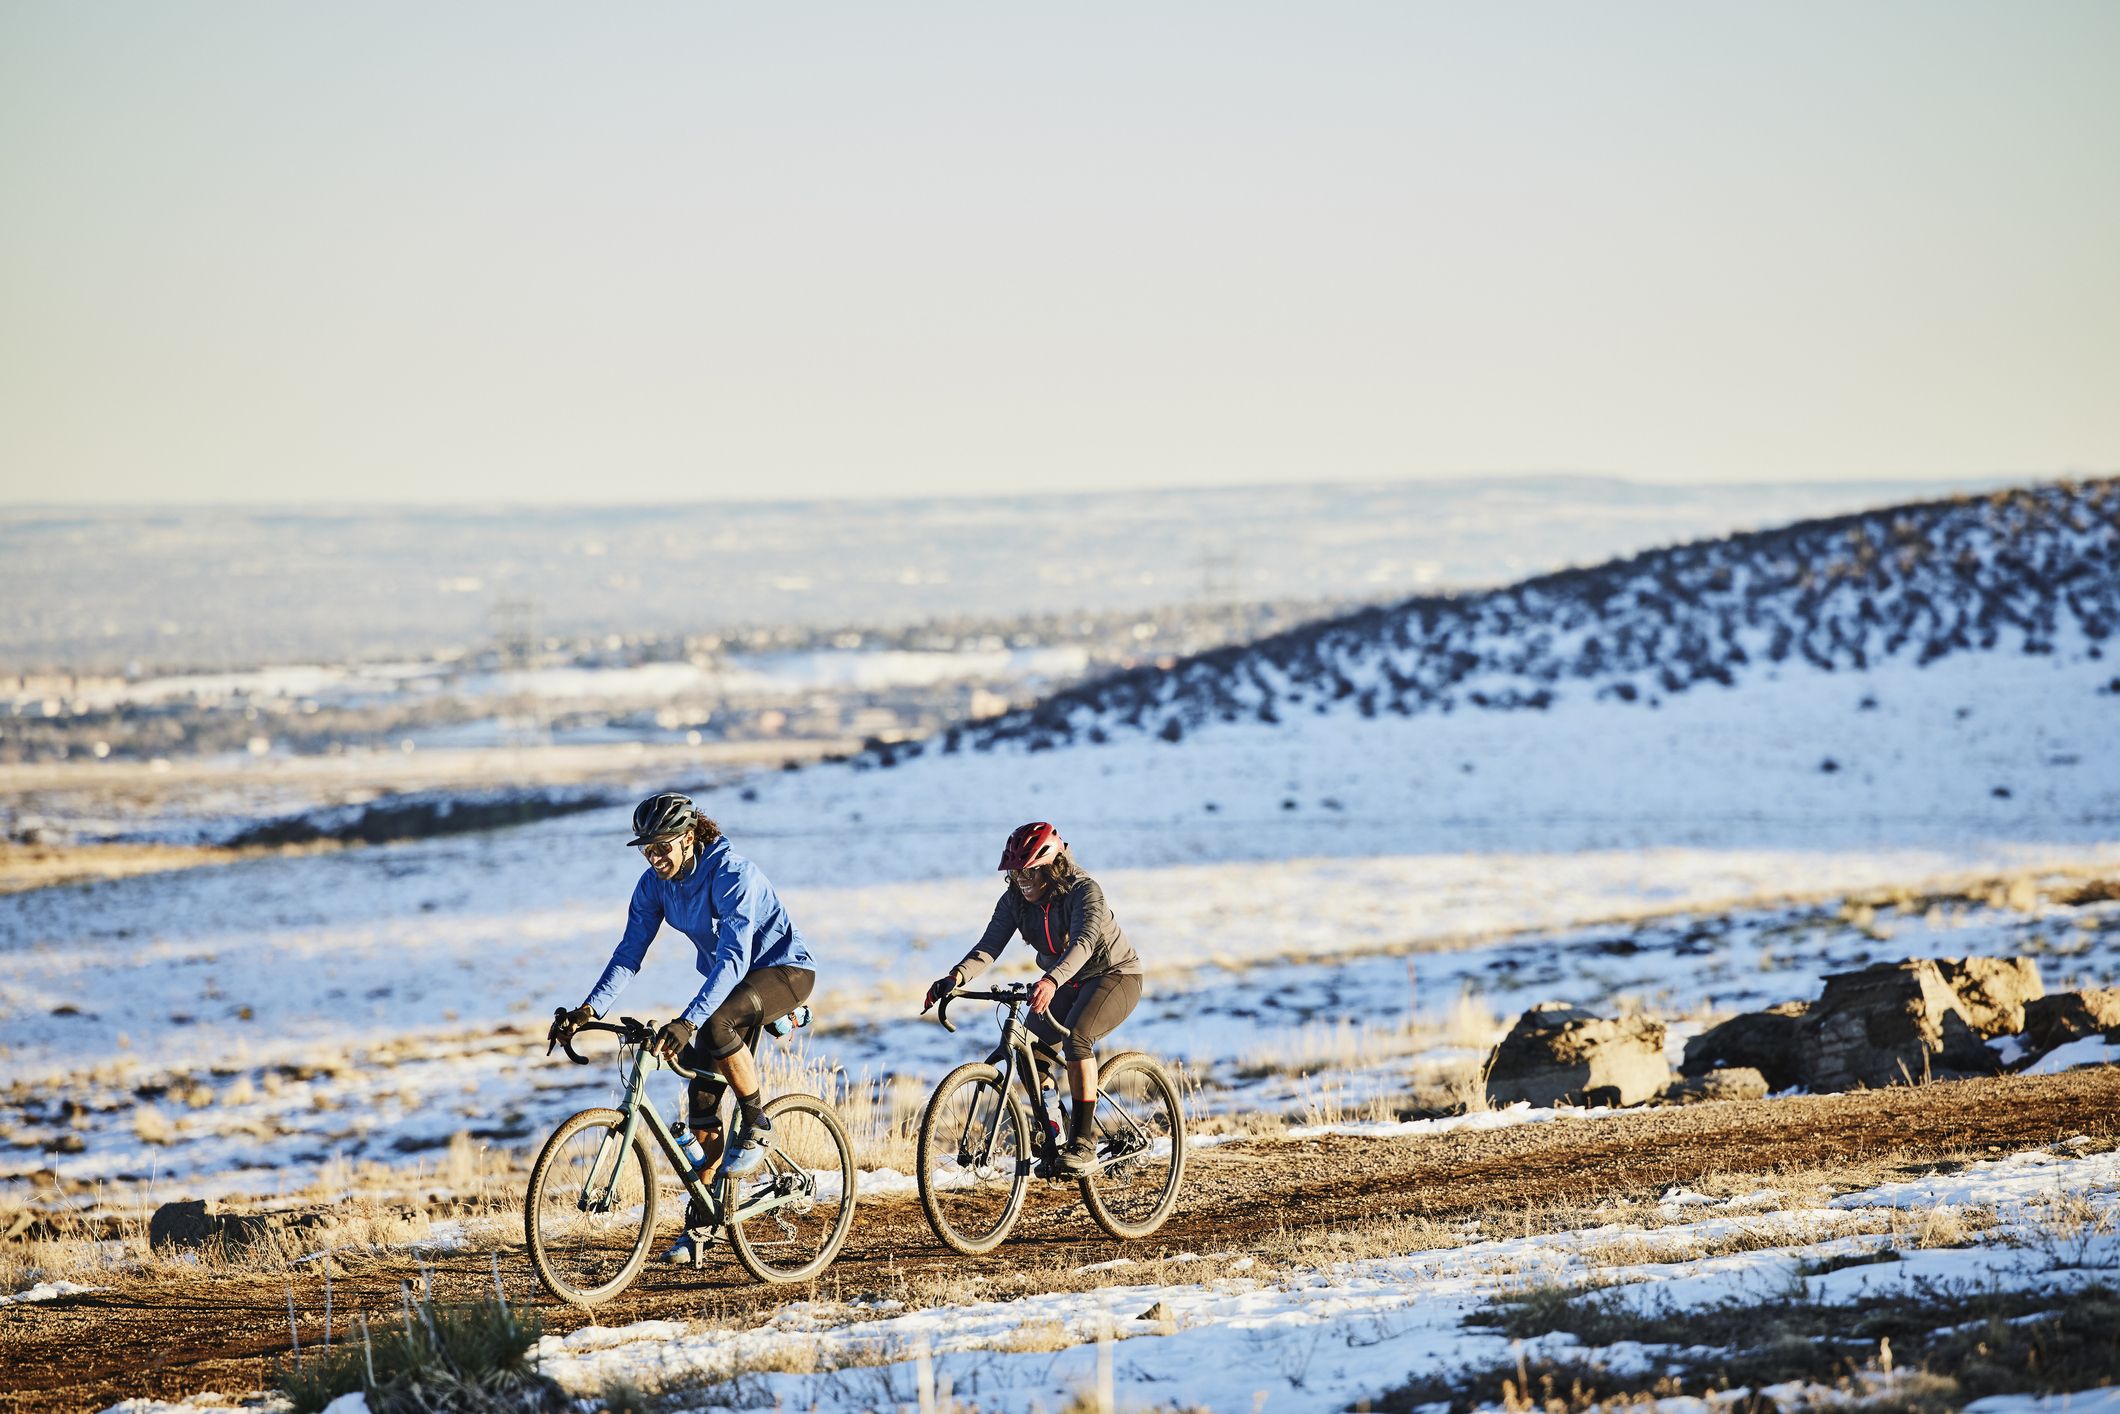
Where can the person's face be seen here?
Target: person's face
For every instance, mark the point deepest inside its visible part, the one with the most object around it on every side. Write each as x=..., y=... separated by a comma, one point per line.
x=669, y=855
x=1029, y=882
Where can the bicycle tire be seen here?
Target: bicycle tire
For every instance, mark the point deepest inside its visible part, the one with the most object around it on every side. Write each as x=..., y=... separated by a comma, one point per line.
x=797, y=1241
x=1134, y=1189
x=586, y=1259
x=972, y=1210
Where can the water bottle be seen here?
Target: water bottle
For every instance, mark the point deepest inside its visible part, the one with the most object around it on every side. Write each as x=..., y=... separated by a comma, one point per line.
x=794, y=1021
x=688, y=1145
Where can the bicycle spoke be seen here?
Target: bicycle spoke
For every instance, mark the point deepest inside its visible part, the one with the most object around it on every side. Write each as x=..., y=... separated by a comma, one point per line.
x=1140, y=1148
x=588, y=1212
x=973, y=1162
x=810, y=1171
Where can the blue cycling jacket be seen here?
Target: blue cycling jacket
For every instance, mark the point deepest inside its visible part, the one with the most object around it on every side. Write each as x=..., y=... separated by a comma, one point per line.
x=728, y=910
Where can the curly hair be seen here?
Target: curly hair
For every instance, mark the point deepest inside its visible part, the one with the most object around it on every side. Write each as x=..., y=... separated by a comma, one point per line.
x=1056, y=873
x=704, y=833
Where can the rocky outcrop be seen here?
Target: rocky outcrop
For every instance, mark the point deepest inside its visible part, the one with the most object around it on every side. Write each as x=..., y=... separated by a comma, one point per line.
x=1765, y=1042
x=2024, y=571
x=1992, y=991
x=1561, y=1054
x=1737, y=1082
x=1894, y=1023
x=203, y=1224
x=2070, y=1016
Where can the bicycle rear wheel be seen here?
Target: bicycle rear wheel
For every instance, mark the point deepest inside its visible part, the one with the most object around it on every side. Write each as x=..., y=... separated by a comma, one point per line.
x=973, y=1166
x=589, y=1213
x=1140, y=1137
x=811, y=1163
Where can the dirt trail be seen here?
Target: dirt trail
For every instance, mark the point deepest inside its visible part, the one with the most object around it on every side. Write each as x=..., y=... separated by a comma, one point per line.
x=169, y=1335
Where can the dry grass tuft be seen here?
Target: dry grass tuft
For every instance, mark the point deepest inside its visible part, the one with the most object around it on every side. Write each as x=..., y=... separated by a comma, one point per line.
x=2070, y=1231
x=151, y=1126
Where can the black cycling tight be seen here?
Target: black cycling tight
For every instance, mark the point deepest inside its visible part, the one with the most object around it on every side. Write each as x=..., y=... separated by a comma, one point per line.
x=764, y=994
x=1090, y=1010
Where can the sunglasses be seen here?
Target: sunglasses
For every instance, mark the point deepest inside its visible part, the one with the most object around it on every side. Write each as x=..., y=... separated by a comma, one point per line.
x=662, y=849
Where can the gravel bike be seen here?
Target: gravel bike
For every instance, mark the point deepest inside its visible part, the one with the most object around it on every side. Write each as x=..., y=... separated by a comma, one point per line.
x=589, y=1215
x=981, y=1143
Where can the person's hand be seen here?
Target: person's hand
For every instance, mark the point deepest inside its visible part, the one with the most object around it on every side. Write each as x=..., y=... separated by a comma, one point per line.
x=940, y=988
x=673, y=1037
x=1042, y=994
x=564, y=1024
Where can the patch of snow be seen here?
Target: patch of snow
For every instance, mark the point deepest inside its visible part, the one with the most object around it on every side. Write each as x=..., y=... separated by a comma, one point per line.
x=2014, y=1181
x=2089, y=1401
x=2008, y=1049
x=1480, y=1121
x=2090, y=1050
x=47, y=1291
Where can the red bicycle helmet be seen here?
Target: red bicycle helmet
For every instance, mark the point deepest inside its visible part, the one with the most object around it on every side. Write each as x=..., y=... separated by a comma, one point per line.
x=1032, y=845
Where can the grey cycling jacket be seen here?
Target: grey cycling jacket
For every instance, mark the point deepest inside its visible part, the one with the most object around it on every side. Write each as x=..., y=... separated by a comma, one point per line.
x=1072, y=932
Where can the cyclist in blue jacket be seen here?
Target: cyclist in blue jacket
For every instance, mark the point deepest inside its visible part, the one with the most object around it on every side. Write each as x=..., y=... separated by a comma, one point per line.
x=755, y=963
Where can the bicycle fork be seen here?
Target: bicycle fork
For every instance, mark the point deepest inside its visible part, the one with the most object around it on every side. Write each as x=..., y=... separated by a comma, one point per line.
x=596, y=1195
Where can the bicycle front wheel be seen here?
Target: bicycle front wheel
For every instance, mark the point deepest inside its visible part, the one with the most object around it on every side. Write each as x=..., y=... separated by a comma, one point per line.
x=809, y=1165
x=589, y=1214
x=974, y=1162
x=1140, y=1137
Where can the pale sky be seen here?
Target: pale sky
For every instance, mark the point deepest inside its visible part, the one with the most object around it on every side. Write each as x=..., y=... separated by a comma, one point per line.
x=539, y=253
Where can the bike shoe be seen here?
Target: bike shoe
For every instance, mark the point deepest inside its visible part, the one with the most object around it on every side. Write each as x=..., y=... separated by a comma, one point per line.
x=747, y=1149
x=1077, y=1157
x=690, y=1249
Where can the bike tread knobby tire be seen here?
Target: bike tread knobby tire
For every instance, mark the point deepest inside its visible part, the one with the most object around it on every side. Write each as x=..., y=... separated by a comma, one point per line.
x=748, y=1254
x=540, y=1172
x=972, y=1244
x=1167, y=1090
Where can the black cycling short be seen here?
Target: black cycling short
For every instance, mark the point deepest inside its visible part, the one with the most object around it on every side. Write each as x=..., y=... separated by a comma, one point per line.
x=765, y=994
x=1090, y=1009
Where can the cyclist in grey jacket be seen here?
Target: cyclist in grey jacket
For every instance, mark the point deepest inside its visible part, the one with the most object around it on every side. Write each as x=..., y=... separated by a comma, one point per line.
x=1092, y=978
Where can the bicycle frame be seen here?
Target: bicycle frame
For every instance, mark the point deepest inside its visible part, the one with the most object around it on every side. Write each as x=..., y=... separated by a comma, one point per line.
x=1012, y=1054
x=712, y=1191
x=1014, y=1048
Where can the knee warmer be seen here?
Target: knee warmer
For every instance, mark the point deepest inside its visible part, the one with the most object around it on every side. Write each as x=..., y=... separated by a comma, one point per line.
x=703, y=1103
x=722, y=1038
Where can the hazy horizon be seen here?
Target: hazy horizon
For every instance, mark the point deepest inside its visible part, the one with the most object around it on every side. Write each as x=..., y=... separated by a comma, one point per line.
x=214, y=585
x=1502, y=480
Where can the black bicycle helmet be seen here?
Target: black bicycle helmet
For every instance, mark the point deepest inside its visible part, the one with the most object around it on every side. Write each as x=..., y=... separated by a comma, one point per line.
x=660, y=816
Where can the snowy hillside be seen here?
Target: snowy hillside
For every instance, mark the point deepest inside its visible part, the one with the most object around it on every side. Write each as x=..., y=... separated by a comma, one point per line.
x=2033, y=571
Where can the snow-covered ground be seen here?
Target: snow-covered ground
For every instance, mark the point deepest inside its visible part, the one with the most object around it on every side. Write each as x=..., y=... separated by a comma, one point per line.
x=1328, y=910
x=755, y=673
x=1327, y=1338
x=1317, y=891
x=1216, y=1332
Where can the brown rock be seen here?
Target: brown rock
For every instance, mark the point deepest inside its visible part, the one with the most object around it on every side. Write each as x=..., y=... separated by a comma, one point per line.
x=1992, y=991
x=203, y=1223
x=1764, y=1041
x=1737, y=1082
x=2096, y=891
x=1893, y=1023
x=188, y=1223
x=1558, y=1053
x=2069, y=1016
